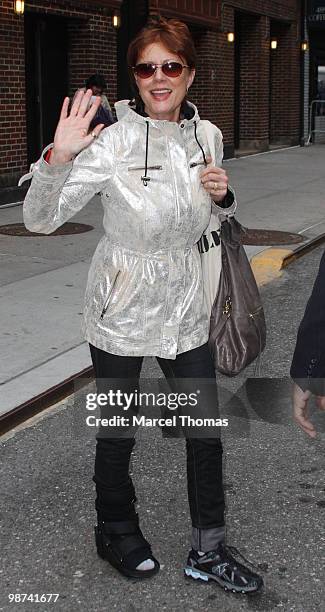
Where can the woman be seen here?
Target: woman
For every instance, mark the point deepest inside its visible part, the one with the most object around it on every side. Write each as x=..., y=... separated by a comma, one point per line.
x=144, y=294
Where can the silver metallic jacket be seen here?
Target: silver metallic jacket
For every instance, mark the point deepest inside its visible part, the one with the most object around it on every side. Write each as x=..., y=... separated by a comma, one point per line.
x=144, y=293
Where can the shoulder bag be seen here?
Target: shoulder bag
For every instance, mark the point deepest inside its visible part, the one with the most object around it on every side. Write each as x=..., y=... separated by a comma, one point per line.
x=237, y=324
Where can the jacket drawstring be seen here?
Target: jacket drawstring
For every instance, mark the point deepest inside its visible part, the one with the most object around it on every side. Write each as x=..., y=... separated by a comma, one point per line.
x=146, y=178
x=197, y=140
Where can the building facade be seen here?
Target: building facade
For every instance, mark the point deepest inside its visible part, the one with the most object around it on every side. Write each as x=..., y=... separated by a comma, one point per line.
x=252, y=92
x=315, y=69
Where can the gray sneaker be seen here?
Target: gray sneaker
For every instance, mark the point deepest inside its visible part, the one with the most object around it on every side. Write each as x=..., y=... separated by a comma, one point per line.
x=220, y=565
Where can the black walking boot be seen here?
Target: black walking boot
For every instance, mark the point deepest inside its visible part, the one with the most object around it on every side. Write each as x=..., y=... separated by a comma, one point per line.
x=123, y=545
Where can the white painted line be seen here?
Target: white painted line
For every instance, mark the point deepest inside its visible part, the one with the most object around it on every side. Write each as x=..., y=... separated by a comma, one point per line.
x=311, y=226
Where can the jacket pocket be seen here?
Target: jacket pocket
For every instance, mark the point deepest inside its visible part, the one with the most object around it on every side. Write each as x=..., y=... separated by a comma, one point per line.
x=109, y=295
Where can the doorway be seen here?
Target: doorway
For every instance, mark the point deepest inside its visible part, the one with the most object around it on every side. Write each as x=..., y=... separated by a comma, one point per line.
x=134, y=14
x=46, y=54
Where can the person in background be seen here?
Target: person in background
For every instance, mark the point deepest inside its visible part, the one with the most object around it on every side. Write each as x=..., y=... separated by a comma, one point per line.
x=308, y=363
x=104, y=115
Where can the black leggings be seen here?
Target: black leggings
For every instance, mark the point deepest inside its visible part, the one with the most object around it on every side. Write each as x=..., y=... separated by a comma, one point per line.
x=114, y=487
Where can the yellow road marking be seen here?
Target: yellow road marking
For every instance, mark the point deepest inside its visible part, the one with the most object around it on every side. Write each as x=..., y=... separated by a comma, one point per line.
x=267, y=265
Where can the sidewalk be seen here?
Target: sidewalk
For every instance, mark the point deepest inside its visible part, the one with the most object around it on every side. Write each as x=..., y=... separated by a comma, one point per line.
x=43, y=278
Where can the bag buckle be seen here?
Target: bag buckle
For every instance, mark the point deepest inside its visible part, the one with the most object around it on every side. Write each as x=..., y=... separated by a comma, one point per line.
x=227, y=307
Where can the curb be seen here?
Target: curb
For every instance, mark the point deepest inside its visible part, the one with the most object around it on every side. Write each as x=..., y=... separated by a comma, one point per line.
x=301, y=249
x=269, y=264
x=36, y=405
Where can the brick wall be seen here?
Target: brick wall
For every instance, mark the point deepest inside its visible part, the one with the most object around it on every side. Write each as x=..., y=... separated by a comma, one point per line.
x=206, y=74
x=213, y=88
x=285, y=86
x=12, y=94
x=97, y=55
x=92, y=48
x=254, y=82
x=225, y=87
x=266, y=114
x=269, y=91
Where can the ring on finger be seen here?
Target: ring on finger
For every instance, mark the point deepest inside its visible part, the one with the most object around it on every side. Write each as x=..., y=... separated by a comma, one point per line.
x=215, y=186
x=93, y=134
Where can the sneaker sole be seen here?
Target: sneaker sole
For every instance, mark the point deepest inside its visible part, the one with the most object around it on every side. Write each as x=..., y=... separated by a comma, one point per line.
x=198, y=575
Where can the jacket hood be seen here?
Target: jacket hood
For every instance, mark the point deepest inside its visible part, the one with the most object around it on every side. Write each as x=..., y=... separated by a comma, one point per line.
x=126, y=110
x=129, y=111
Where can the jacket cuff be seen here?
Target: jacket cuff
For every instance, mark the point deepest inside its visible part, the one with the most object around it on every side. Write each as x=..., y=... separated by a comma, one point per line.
x=315, y=385
x=49, y=171
x=45, y=170
x=229, y=203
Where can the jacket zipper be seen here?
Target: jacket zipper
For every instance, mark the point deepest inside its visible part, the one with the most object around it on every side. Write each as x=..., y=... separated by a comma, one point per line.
x=108, y=298
x=130, y=168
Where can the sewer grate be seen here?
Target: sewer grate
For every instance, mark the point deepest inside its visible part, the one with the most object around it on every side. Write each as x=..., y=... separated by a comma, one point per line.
x=266, y=237
x=18, y=229
x=249, y=236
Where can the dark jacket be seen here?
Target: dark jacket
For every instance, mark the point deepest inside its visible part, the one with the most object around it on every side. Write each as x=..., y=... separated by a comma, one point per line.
x=308, y=363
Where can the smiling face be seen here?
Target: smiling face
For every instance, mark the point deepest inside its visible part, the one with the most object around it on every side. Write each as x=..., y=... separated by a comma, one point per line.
x=162, y=95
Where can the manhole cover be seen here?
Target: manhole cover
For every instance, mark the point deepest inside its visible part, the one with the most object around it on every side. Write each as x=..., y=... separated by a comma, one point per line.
x=269, y=237
x=18, y=229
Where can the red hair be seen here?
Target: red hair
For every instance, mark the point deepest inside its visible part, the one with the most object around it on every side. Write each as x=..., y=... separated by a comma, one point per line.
x=171, y=33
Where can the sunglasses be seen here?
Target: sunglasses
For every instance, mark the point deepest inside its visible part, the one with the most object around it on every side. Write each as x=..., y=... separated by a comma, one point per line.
x=170, y=69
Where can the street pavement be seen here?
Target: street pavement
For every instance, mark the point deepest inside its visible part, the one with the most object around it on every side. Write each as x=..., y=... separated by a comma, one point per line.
x=274, y=475
x=43, y=278
x=274, y=482
x=275, y=516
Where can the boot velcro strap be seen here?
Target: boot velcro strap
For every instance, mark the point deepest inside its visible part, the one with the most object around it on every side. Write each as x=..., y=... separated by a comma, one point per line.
x=120, y=527
x=130, y=543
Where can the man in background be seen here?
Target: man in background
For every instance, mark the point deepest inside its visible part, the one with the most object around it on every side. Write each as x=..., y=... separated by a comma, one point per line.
x=97, y=84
